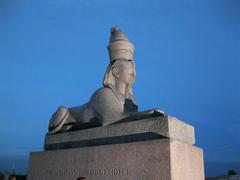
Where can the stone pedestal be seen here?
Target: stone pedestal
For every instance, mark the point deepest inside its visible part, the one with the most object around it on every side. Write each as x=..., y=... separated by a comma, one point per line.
x=160, y=151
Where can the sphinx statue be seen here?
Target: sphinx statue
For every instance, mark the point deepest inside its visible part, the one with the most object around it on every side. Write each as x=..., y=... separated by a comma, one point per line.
x=114, y=102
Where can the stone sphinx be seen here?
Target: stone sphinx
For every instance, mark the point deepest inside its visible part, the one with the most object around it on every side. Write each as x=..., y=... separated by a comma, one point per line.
x=109, y=139
x=114, y=102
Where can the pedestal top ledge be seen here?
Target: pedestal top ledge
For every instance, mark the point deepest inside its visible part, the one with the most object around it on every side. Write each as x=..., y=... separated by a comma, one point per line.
x=138, y=130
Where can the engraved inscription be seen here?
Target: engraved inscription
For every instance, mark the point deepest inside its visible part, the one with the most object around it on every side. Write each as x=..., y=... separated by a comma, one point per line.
x=81, y=159
x=87, y=172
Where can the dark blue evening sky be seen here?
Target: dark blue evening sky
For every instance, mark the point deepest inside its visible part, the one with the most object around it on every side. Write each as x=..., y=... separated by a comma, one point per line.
x=53, y=52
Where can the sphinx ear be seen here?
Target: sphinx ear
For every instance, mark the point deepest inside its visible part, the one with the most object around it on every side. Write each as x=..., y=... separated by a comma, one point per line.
x=115, y=72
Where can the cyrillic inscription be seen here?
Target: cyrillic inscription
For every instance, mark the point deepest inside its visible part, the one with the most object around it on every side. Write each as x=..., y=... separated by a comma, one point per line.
x=87, y=172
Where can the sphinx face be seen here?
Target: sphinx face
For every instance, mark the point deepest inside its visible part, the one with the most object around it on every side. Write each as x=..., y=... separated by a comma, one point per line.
x=126, y=72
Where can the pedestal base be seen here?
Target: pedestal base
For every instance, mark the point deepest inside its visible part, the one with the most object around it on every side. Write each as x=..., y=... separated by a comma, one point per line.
x=163, y=159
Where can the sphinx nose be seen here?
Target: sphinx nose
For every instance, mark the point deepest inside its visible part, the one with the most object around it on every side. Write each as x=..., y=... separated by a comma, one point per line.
x=133, y=74
x=132, y=77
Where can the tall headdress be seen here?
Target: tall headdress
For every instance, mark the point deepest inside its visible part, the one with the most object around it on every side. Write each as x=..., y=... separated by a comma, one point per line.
x=119, y=46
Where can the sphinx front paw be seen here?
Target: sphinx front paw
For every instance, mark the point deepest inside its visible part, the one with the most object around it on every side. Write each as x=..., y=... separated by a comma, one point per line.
x=158, y=111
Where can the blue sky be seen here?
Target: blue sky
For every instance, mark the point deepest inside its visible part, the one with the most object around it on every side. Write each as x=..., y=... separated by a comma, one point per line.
x=187, y=56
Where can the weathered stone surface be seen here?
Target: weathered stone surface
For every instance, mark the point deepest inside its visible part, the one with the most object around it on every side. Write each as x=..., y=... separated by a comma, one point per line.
x=186, y=162
x=146, y=129
x=164, y=159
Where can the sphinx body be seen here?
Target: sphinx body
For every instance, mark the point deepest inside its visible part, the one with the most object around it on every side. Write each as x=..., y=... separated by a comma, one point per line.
x=106, y=106
x=114, y=101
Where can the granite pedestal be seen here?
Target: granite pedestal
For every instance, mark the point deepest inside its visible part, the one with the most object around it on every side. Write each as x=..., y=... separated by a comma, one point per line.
x=159, y=148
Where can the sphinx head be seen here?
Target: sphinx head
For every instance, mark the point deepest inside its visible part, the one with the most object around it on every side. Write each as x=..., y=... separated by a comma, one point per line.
x=121, y=67
x=121, y=70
